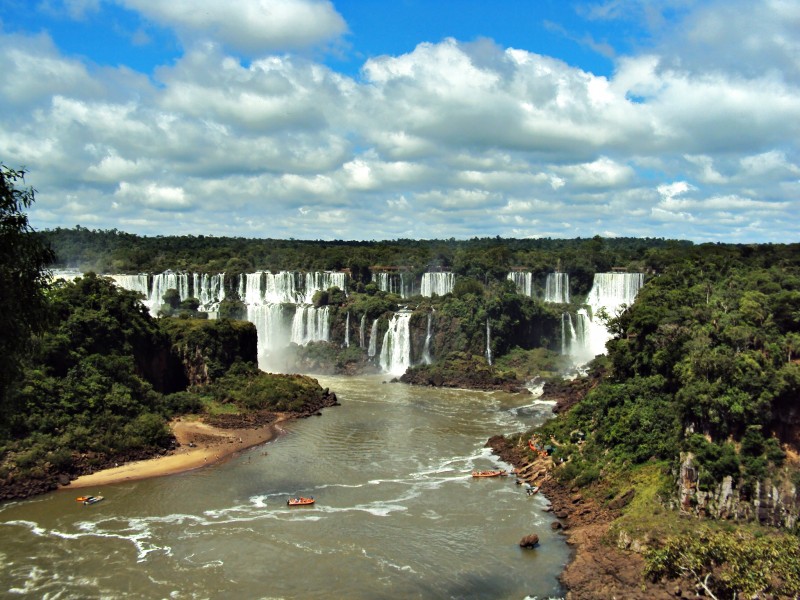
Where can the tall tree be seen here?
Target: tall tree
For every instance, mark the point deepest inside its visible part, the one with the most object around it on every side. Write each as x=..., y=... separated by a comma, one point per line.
x=23, y=277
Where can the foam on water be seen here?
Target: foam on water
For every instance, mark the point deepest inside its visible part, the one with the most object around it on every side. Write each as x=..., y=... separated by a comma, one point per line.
x=385, y=563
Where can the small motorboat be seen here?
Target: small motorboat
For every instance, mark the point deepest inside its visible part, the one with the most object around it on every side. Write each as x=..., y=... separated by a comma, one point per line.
x=92, y=500
x=497, y=473
x=300, y=501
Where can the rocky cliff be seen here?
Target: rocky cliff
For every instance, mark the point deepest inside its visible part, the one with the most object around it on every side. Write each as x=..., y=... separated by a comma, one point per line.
x=773, y=501
x=207, y=348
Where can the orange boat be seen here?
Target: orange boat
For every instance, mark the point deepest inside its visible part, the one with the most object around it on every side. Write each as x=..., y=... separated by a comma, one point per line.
x=301, y=501
x=488, y=473
x=82, y=498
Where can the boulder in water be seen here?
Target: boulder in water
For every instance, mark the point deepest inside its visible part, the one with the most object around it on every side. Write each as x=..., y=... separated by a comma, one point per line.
x=529, y=541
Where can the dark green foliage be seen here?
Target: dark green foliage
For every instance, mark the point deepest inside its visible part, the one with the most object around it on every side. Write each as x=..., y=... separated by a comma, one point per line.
x=217, y=344
x=707, y=347
x=373, y=306
x=89, y=374
x=467, y=285
x=626, y=423
x=23, y=262
x=715, y=461
x=483, y=259
x=171, y=298
x=460, y=369
x=232, y=308
x=250, y=389
x=537, y=362
x=175, y=307
x=94, y=380
x=183, y=403
x=332, y=296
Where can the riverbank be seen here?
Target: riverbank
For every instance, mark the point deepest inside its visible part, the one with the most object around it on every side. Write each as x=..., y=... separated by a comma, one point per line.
x=598, y=568
x=199, y=445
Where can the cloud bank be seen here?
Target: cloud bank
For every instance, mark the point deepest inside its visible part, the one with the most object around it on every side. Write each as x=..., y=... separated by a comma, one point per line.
x=246, y=134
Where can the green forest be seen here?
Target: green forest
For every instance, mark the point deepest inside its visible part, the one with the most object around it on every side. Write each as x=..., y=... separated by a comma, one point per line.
x=90, y=378
x=702, y=374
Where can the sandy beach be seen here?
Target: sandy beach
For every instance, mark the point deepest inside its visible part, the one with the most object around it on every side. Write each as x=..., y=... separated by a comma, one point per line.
x=200, y=445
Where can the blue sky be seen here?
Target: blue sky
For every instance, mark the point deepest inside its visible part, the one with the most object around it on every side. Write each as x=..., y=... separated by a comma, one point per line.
x=379, y=119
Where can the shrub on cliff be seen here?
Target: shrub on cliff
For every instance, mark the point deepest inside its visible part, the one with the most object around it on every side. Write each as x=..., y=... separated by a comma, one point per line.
x=250, y=389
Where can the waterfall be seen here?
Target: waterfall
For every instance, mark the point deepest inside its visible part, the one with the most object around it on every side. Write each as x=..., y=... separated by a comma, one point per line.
x=523, y=282
x=72, y=275
x=392, y=283
x=610, y=292
x=570, y=341
x=281, y=287
x=310, y=324
x=265, y=295
x=250, y=289
x=135, y=283
x=208, y=289
x=361, y=328
x=274, y=333
x=396, y=349
x=437, y=283
x=373, y=340
x=162, y=282
x=320, y=281
x=347, y=331
x=426, y=350
x=287, y=287
x=488, y=343
x=556, y=288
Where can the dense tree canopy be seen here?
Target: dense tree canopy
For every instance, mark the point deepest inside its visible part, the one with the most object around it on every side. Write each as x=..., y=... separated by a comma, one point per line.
x=23, y=262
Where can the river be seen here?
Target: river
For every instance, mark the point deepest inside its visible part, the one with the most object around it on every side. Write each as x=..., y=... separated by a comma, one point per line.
x=397, y=513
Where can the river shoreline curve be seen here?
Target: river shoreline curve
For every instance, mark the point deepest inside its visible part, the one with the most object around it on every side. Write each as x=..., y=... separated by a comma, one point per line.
x=199, y=445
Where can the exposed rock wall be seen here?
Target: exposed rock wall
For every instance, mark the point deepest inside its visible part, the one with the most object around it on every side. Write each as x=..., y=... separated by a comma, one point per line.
x=771, y=502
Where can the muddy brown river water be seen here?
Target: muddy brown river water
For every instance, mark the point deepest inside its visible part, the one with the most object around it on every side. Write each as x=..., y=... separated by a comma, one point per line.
x=397, y=514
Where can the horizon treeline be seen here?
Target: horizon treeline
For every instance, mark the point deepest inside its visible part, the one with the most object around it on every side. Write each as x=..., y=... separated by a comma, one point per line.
x=119, y=252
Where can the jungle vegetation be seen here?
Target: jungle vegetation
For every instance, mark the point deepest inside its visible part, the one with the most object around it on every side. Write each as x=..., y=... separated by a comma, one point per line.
x=705, y=363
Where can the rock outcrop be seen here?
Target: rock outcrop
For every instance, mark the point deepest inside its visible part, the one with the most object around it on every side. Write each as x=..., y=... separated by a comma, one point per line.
x=772, y=502
x=463, y=371
x=206, y=349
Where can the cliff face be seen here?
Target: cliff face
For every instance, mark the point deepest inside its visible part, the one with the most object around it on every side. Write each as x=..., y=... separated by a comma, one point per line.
x=206, y=349
x=772, y=501
x=164, y=370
